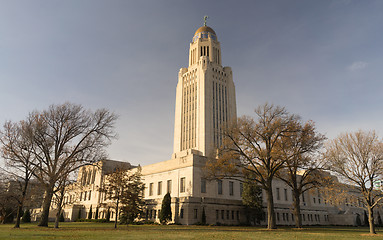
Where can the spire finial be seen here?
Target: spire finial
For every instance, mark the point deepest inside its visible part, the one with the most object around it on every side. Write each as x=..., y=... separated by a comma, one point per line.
x=204, y=19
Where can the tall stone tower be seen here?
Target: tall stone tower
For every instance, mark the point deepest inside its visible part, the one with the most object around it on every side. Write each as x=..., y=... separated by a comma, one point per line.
x=205, y=97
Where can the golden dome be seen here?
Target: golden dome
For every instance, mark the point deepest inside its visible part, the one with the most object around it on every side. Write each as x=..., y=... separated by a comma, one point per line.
x=205, y=29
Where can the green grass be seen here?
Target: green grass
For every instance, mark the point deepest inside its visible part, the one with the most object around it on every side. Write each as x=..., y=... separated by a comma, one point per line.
x=87, y=230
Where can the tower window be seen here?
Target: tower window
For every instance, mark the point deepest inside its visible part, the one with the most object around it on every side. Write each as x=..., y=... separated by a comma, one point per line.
x=169, y=185
x=159, y=189
x=150, y=189
x=182, y=185
x=231, y=188
x=203, y=185
x=219, y=182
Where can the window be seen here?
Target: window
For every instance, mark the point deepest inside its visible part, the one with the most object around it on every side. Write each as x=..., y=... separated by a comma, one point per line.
x=238, y=215
x=169, y=186
x=314, y=200
x=85, y=196
x=285, y=194
x=182, y=185
x=283, y=216
x=90, y=194
x=232, y=214
x=223, y=214
x=80, y=196
x=231, y=188
x=159, y=189
x=278, y=194
x=303, y=197
x=277, y=216
x=155, y=214
x=227, y=214
x=150, y=189
x=304, y=219
x=203, y=185
x=240, y=189
x=219, y=186
x=143, y=191
x=195, y=213
x=182, y=213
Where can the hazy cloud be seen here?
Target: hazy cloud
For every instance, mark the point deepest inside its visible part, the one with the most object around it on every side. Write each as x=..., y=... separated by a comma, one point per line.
x=355, y=66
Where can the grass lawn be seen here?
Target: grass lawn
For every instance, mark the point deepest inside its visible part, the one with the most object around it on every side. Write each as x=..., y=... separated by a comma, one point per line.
x=106, y=231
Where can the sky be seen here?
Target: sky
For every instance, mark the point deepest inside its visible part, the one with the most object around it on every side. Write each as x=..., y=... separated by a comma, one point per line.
x=322, y=60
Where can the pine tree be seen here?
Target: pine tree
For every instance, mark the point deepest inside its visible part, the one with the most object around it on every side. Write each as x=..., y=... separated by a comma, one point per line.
x=79, y=214
x=96, y=215
x=203, y=216
x=90, y=212
x=108, y=215
x=365, y=219
x=358, y=221
x=379, y=220
x=166, y=211
x=62, y=218
x=26, y=217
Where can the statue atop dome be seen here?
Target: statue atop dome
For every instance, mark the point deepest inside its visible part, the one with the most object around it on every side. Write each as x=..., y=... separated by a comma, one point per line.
x=205, y=19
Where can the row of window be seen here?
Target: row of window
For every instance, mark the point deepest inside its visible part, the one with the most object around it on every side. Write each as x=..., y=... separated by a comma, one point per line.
x=189, y=122
x=220, y=214
x=310, y=217
x=85, y=196
x=286, y=198
x=219, y=72
x=168, y=187
x=183, y=187
x=88, y=176
x=204, y=35
x=219, y=111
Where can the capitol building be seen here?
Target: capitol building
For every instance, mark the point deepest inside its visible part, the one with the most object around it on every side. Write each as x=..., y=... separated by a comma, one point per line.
x=205, y=102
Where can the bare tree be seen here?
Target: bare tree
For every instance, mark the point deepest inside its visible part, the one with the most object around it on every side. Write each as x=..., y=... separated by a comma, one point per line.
x=16, y=149
x=302, y=170
x=252, y=146
x=358, y=159
x=64, y=138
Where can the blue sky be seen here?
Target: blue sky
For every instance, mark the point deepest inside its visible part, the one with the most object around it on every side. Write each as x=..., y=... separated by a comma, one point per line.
x=321, y=59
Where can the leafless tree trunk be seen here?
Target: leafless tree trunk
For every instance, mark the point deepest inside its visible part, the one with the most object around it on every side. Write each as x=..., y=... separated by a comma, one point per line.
x=117, y=211
x=297, y=209
x=271, y=224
